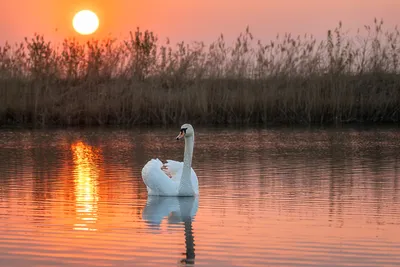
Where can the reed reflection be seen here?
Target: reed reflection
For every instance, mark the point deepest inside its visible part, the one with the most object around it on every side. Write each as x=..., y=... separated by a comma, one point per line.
x=177, y=210
x=86, y=174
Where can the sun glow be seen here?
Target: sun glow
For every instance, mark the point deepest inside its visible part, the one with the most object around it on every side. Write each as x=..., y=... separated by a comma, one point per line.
x=86, y=173
x=85, y=22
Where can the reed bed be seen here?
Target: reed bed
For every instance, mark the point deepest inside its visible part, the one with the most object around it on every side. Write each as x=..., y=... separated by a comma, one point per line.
x=293, y=80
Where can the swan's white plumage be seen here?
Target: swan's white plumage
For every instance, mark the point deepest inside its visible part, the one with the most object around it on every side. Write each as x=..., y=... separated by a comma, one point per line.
x=166, y=179
x=162, y=184
x=173, y=167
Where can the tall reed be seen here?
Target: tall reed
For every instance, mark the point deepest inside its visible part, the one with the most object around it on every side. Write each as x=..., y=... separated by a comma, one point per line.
x=291, y=79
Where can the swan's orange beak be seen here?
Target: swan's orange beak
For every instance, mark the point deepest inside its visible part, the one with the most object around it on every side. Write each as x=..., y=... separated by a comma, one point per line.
x=180, y=135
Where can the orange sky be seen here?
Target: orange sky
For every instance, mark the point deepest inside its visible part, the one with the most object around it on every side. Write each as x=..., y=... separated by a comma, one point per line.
x=193, y=20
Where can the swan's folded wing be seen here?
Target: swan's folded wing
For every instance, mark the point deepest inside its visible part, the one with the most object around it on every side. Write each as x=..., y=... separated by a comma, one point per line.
x=173, y=166
x=156, y=180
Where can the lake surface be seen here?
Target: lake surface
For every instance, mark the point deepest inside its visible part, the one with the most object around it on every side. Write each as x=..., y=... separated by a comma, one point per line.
x=268, y=197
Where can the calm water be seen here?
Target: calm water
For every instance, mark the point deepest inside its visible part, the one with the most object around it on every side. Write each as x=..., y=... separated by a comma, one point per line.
x=268, y=198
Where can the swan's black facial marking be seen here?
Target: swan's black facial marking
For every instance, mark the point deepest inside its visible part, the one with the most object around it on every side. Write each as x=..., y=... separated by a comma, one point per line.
x=181, y=133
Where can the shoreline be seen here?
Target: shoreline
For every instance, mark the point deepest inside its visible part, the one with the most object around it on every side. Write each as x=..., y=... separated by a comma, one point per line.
x=233, y=126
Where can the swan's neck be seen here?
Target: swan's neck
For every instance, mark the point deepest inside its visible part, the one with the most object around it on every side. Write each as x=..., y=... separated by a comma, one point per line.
x=185, y=186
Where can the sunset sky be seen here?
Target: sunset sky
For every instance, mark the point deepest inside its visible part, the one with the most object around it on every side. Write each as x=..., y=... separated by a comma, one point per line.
x=191, y=20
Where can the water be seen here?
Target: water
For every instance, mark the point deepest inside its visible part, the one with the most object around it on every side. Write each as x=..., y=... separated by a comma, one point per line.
x=272, y=197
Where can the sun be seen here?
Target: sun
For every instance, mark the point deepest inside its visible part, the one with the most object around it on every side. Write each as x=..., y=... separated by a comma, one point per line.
x=85, y=22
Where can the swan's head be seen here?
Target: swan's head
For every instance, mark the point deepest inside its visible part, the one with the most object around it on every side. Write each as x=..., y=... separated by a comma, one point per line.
x=186, y=131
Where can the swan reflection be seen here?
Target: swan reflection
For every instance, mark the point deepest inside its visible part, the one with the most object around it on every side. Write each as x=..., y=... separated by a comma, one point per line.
x=86, y=173
x=177, y=210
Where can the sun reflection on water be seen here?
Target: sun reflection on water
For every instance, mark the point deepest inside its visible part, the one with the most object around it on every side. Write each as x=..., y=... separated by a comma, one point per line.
x=86, y=174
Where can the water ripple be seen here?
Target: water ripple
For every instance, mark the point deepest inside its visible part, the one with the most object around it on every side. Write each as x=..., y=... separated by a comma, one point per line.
x=272, y=198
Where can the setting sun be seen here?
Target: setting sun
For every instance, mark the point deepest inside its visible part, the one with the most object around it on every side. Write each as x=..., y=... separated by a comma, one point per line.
x=85, y=22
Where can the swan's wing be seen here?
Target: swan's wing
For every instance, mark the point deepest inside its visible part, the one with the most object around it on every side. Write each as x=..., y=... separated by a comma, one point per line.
x=173, y=166
x=157, y=182
x=173, y=169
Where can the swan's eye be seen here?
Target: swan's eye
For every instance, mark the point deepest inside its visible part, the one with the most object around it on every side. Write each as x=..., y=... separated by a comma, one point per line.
x=183, y=130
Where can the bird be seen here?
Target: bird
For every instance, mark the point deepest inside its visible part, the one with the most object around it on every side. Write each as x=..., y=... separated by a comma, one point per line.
x=173, y=178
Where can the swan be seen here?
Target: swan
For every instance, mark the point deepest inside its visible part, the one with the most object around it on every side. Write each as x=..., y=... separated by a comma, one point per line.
x=173, y=178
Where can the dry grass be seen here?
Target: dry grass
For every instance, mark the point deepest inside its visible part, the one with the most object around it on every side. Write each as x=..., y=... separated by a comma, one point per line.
x=138, y=81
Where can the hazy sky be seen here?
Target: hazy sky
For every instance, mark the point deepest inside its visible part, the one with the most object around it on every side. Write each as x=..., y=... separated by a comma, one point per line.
x=189, y=20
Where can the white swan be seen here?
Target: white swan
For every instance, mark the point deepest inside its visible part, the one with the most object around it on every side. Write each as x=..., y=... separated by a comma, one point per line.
x=173, y=178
